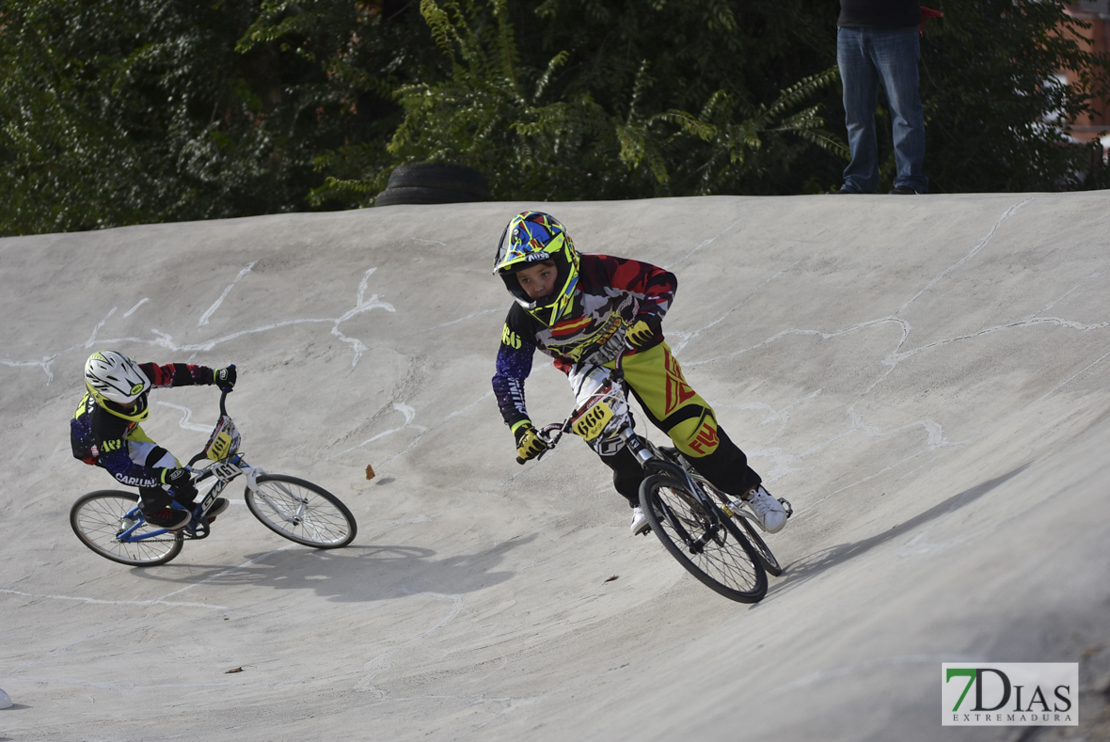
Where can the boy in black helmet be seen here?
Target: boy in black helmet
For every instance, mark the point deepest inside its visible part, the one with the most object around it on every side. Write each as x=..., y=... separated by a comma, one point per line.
x=584, y=310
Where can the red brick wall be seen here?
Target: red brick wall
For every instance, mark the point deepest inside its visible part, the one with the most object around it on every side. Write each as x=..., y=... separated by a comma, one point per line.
x=1097, y=13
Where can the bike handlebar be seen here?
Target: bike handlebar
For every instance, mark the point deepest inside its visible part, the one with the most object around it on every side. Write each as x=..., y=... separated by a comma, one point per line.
x=545, y=433
x=223, y=413
x=224, y=393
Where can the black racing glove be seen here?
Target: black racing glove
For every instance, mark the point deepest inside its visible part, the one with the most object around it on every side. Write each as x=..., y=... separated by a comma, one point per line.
x=528, y=444
x=181, y=482
x=224, y=378
x=643, y=331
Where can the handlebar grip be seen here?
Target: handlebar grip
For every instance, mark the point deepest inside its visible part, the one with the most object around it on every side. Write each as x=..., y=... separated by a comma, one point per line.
x=521, y=461
x=226, y=390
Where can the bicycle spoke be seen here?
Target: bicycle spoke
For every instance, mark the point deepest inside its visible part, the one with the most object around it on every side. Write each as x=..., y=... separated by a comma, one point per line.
x=704, y=542
x=98, y=519
x=301, y=511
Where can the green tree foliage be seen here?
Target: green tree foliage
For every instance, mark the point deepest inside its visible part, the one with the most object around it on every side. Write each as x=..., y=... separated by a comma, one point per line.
x=362, y=52
x=992, y=99
x=116, y=112
x=568, y=100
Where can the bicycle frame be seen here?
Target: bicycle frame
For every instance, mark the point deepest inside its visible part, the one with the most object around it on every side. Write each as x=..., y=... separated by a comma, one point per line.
x=675, y=500
x=593, y=417
x=228, y=465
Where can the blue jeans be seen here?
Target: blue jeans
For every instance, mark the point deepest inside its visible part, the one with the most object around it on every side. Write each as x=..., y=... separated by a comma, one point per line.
x=868, y=56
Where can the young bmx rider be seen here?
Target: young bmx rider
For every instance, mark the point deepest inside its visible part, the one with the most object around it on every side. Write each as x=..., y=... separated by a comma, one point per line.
x=583, y=310
x=105, y=431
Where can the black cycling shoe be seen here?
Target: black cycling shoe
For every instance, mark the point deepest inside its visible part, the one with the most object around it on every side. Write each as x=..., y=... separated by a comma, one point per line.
x=170, y=518
x=218, y=507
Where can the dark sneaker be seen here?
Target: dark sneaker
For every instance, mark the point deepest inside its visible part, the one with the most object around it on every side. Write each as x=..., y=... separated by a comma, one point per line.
x=170, y=518
x=218, y=507
x=903, y=191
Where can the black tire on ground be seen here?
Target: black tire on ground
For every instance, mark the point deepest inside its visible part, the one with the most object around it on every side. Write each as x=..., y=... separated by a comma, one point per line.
x=302, y=511
x=445, y=176
x=97, y=518
x=422, y=195
x=726, y=562
x=766, y=558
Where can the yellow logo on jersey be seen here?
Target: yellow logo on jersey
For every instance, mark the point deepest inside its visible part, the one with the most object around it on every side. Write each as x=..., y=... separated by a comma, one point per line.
x=510, y=338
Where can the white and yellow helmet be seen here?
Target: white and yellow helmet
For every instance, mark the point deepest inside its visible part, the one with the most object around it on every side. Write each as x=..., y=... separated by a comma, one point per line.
x=113, y=377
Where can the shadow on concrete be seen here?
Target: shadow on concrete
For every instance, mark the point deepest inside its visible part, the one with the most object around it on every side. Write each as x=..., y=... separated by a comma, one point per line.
x=814, y=564
x=355, y=573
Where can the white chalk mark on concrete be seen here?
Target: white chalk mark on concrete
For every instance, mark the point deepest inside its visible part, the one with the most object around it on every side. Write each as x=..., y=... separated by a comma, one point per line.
x=216, y=305
x=99, y=601
x=186, y=418
x=131, y=311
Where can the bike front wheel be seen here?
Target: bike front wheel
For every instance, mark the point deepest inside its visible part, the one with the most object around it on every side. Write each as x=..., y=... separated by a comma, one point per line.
x=770, y=563
x=100, y=518
x=707, y=544
x=301, y=511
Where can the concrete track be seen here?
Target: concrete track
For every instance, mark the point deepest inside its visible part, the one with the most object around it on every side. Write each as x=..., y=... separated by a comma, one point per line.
x=927, y=379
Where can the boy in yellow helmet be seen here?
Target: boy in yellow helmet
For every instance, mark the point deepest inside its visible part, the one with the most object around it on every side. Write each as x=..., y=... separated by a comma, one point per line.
x=585, y=310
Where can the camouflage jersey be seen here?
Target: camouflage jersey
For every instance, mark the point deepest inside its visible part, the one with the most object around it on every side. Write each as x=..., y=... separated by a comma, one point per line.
x=100, y=437
x=611, y=293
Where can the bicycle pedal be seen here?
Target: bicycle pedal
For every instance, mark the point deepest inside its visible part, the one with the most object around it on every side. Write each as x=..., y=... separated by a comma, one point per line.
x=197, y=530
x=734, y=508
x=786, y=506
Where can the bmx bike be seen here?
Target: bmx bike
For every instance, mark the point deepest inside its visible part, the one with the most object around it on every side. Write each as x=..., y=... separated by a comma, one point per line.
x=110, y=523
x=716, y=543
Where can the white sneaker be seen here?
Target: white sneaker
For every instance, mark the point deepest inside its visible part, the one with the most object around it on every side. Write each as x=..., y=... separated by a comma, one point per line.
x=640, y=523
x=767, y=510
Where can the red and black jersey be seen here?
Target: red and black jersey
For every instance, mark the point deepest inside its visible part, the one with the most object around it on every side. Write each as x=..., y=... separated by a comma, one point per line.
x=611, y=294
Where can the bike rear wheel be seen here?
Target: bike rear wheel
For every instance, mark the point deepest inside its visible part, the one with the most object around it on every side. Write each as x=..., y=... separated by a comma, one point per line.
x=301, y=511
x=99, y=517
x=708, y=545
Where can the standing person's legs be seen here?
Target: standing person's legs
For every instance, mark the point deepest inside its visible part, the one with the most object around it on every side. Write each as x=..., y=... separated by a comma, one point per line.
x=896, y=52
x=861, y=89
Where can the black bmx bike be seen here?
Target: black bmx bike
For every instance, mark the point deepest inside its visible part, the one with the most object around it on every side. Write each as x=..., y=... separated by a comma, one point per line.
x=715, y=537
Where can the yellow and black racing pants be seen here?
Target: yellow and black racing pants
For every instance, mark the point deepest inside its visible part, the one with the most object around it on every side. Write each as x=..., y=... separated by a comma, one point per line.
x=655, y=378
